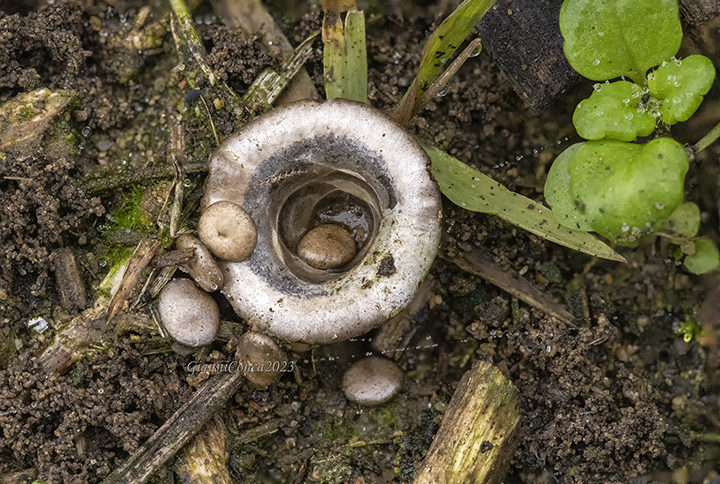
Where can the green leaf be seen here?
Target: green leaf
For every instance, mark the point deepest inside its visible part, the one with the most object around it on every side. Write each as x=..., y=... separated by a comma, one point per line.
x=612, y=38
x=472, y=190
x=627, y=190
x=681, y=84
x=612, y=112
x=439, y=48
x=557, y=192
x=705, y=259
x=683, y=224
x=345, y=56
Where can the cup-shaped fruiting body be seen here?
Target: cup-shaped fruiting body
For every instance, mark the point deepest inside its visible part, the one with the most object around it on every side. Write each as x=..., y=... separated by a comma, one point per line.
x=372, y=381
x=190, y=315
x=262, y=361
x=308, y=164
x=228, y=231
x=202, y=267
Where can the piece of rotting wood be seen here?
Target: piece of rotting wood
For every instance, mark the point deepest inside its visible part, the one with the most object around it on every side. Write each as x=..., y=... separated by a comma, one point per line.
x=204, y=459
x=479, y=432
x=68, y=280
x=524, y=38
x=184, y=424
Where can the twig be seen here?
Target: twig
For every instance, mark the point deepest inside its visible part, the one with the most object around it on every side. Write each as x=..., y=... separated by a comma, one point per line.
x=479, y=263
x=91, y=186
x=144, y=252
x=177, y=430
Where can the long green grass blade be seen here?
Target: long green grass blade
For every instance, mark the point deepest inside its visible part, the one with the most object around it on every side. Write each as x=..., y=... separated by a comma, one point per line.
x=474, y=191
x=345, y=57
x=439, y=49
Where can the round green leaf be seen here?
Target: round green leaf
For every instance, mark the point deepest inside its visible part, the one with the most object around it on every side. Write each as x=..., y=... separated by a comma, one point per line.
x=684, y=222
x=605, y=39
x=705, y=259
x=557, y=192
x=612, y=112
x=627, y=190
x=681, y=84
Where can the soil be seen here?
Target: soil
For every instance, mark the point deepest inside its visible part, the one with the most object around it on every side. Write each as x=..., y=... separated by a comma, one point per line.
x=618, y=397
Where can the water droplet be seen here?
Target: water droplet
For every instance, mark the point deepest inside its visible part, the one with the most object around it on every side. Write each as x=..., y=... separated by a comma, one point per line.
x=443, y=92
x=596, y=62
x=676, y=100
x=645, y=90
x=664, y=63
x=651, y=76
x=472, y=186
x=187, y=183
x=599, y=113
x=629, y=116
x=597, y=87
x=463, y=204
x=601, y=34
x=476, y=178
x=213, y=287
x=626, y=100
x=86, y=131
x=476, y=51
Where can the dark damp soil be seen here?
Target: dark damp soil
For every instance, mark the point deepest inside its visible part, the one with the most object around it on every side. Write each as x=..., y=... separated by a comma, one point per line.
x=619, y=397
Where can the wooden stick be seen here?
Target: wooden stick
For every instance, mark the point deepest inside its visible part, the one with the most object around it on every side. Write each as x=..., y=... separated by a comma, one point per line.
x=177, y=430
x=480, y=263
x=479, y=433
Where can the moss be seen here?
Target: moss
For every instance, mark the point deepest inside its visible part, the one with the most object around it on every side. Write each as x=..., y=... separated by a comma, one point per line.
x=129, y=216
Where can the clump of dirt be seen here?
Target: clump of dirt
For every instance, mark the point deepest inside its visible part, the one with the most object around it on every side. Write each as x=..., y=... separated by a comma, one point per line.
x=235, y=59
x=28, y=41
x=80, y=426
x=39, y=206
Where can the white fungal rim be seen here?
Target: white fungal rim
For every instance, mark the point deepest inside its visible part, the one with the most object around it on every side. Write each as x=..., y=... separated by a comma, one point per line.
x=348, y=137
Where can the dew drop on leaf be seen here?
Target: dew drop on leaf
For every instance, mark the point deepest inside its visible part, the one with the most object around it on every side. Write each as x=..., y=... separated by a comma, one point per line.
x=629, y=116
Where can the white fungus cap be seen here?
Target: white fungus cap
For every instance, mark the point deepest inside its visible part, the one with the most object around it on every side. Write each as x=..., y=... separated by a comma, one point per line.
x=302, y=143
x=190, y=315
x=372, y=381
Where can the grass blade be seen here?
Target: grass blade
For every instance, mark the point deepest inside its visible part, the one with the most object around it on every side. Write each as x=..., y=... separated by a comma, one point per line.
x=345, y=57
x=470, y=189
x=439, y=49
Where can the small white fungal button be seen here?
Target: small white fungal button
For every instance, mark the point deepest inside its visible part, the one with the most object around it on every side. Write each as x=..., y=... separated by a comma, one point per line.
x=372, y=381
